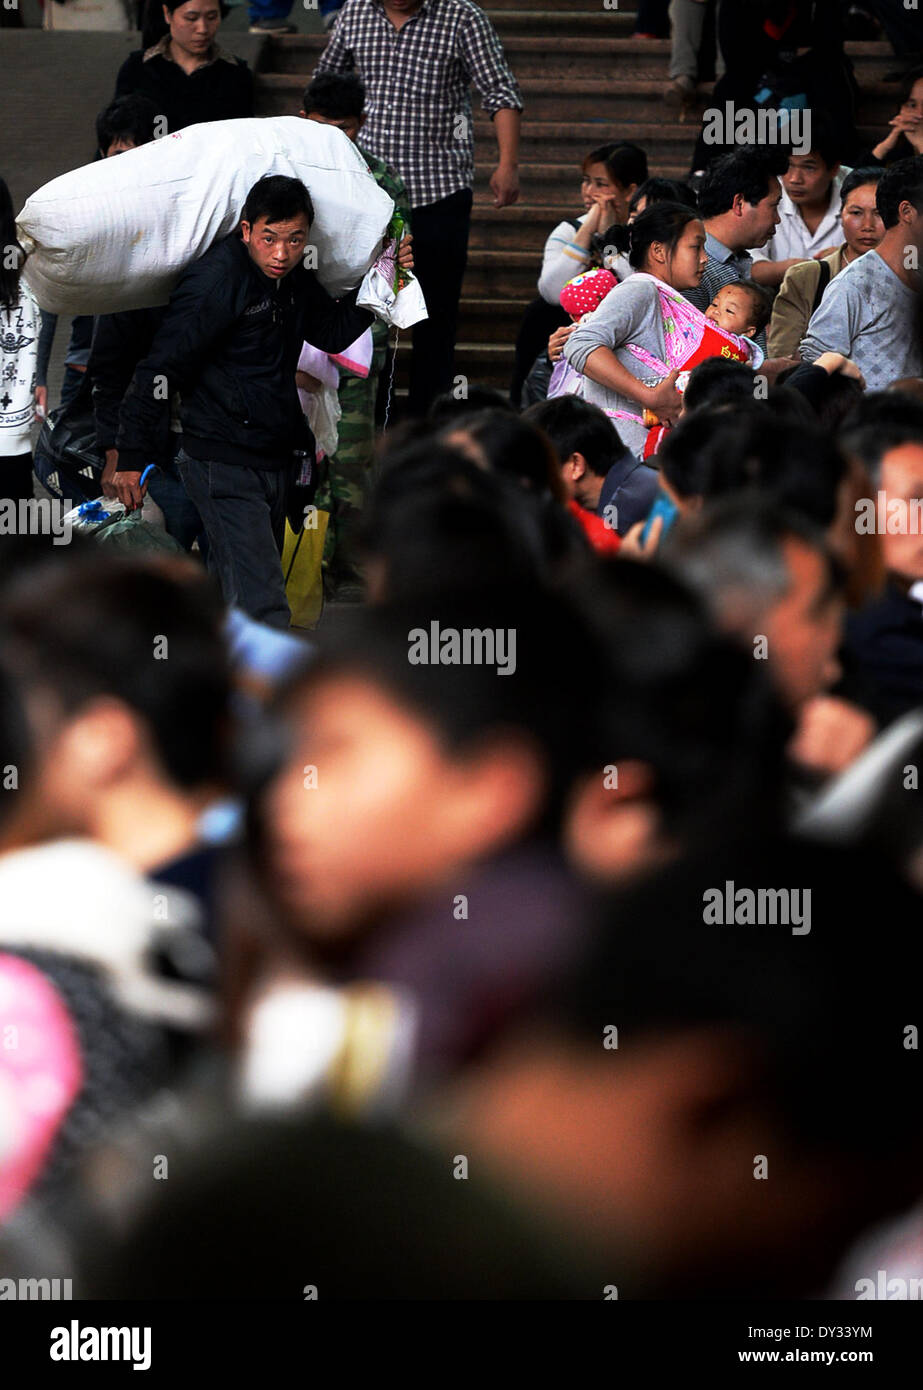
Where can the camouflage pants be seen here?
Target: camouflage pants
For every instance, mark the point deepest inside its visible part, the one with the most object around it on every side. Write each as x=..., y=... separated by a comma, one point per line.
x=344, y=477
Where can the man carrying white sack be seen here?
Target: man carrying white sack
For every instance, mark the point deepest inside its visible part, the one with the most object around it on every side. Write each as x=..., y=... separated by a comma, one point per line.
x=229, y=343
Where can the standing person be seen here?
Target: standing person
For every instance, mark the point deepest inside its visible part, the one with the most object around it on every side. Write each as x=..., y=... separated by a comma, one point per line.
x=19, y=332
x=229, y=342
x=338, y=99
x=418, y=58
x=688, y=20
x=187, y=76
x=871, y=311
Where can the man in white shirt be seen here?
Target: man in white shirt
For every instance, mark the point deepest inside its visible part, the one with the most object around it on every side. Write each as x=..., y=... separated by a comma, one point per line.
x=809, y=213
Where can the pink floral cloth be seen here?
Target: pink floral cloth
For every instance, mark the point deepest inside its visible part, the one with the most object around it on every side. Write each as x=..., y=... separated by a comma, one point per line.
x=41, y=1073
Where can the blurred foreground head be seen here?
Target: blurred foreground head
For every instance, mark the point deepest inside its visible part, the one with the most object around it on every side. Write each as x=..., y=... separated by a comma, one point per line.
x=728, y=1092
x=123, y=671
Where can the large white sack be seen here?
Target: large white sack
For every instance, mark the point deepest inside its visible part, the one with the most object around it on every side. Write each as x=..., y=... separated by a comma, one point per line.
x=115, y=234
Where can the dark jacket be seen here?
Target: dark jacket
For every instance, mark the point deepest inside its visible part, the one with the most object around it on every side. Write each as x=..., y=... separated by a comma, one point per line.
x=884, y=641
x=219, y=91
x=119, y=343
x=229, y=343
x=630, y=486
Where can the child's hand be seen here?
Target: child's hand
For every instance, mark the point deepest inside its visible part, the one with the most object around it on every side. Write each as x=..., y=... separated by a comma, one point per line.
x=557, y=340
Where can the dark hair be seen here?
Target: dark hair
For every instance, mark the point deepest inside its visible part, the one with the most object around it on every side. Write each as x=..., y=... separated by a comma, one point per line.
x=880, y=422
x=902, y=182
x=625, y=163
x=577, y=426
x=717, y=381
x=154, y=26
x=448, y=408
x=909, y=81
x=336, y=95
x=685, y=701
x=511, y=445
x=468, y=702
x=9, y=274
x=826, y=141
x=15, y=740
x=834, y=398
x=713, y=454
x=664, y=222
x=661, y=964
x=278, y=198
x=127, y=118
x=760, y=301
x=745, y=171
x=89, y=627
x=858, y=178
x=439, y=523
x=660, y=190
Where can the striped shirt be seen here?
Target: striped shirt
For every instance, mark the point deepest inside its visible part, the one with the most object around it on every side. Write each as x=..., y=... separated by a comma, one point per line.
x=418, y=107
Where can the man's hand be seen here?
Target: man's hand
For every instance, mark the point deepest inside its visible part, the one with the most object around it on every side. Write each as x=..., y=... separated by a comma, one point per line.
x=833, y=362
x=128, y=490
x=109, y=472
x=557, y=340
x=41, y=402
x=664, y=399
x=504, y=185
x=634, y=548
x=831, y=734
x=405, y=252
x=774, y=367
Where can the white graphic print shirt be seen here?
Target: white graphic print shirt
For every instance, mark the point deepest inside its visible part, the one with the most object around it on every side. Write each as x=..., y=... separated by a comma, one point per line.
x=19, y=330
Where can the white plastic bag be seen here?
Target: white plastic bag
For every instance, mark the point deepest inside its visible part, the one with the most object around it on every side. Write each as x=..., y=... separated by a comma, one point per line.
x=403, y=307
x=116, y=234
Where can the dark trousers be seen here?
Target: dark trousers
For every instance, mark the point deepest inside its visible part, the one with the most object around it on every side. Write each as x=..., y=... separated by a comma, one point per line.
x=16, y=481
x=180, y=517
x=440, y=252
x=243, y=512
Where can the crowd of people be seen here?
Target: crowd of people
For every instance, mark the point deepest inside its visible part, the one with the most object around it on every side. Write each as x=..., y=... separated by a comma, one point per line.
x=542, y=923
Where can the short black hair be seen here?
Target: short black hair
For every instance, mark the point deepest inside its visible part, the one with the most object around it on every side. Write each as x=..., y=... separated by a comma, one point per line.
x=825, y=141
x=760, y=301
x=447, y=408
x=903, y=182
x=90, y=626
x=858, y=178
x=881, y=421
x=626, y=163
x=746, y=171
x=577, y=426
x=712, y=454
x=336, y=95
x=660, y=190
x=278, y=198
x=718, y=381
x=511, y=445
x=127, y=118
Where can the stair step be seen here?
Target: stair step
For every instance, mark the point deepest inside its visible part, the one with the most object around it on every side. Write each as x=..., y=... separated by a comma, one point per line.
x=491, y=320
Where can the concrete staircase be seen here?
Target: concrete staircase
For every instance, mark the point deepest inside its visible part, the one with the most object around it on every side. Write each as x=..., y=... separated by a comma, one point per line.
x=585, y=80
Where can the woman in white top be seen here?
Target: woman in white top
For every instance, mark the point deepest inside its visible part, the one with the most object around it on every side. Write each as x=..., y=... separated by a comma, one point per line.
x=19, y=330
x=611, y=175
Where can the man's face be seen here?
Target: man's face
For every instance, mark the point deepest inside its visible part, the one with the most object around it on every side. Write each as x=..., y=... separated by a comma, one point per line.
x=900, y=526
x=276, y=248
x=193, y=26
x=808, y=178
x=803, y=629
x=762, y=218
x=350, y=125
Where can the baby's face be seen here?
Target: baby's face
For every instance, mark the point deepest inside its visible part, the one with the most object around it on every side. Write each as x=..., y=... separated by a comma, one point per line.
x=732, y=310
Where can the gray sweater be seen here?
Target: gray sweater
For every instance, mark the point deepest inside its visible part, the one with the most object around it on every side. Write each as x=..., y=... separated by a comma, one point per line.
x=869, y=315
x=630, y=314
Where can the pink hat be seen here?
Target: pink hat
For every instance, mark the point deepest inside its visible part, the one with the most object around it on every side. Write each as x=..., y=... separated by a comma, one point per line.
x=586, y=292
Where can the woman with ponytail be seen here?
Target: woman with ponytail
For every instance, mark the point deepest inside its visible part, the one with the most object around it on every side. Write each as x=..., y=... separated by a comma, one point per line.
x=632, y=349
x=19, y=329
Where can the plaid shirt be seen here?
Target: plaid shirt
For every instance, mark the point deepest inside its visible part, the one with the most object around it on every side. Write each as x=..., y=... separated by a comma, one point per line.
x=417, y=77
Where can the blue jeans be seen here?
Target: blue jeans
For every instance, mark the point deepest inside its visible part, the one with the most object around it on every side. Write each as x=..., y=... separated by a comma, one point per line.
x=243, y=512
